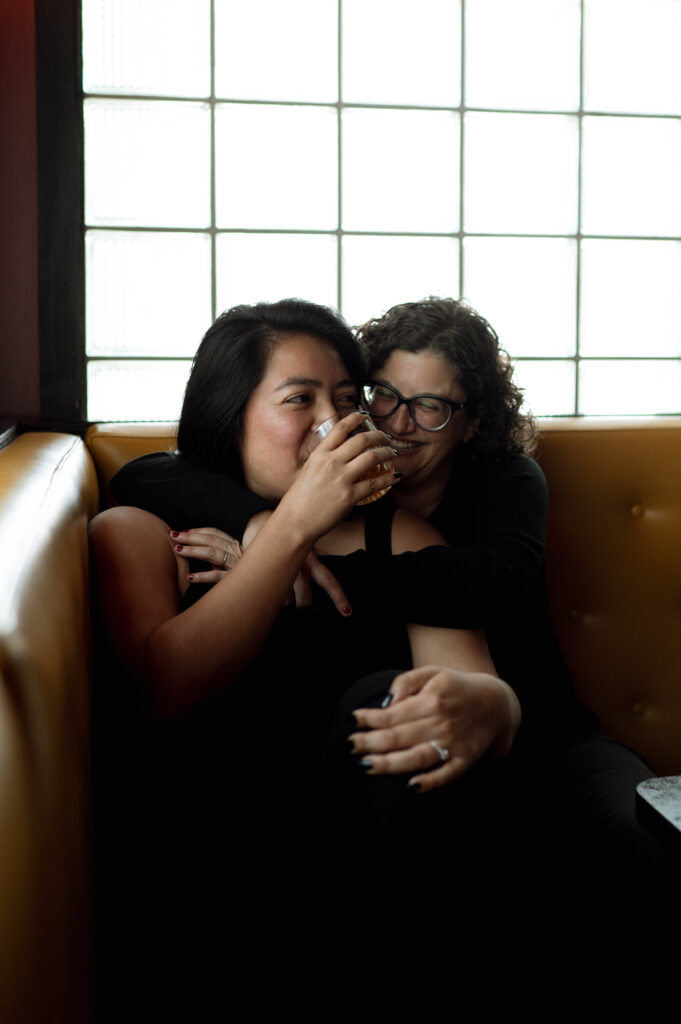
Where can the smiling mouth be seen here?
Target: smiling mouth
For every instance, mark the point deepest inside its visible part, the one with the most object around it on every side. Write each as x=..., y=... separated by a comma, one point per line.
x=405, y=447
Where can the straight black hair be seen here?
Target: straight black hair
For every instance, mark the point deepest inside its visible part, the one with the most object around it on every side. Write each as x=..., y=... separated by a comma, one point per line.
x=230, y=363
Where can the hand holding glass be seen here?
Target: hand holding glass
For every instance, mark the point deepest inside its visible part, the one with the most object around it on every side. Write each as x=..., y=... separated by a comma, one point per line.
x=324, y=428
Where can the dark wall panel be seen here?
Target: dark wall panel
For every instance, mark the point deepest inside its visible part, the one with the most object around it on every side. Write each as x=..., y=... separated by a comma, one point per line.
x=19, y=345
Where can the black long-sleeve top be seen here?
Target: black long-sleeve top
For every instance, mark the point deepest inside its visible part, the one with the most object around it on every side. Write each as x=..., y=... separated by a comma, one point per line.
x=491, y=576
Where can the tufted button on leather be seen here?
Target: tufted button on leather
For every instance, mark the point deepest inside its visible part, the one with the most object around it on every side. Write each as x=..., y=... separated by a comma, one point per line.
x=637, y=512
x=638, y=708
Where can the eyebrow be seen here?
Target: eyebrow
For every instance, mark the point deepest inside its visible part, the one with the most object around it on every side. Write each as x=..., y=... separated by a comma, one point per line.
x=309, y=382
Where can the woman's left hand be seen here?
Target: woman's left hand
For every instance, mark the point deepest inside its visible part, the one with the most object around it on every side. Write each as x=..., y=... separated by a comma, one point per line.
x=440, y=722
x=207, y=544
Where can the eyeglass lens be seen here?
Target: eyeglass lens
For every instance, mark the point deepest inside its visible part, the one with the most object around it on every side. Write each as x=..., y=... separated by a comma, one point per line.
x=428, y=412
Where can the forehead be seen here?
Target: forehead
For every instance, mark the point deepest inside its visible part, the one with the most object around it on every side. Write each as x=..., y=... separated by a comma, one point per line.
x=303, y=355
x=424, y=372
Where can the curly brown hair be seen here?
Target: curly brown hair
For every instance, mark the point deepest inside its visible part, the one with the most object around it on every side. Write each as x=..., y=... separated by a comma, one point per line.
x=454, y=330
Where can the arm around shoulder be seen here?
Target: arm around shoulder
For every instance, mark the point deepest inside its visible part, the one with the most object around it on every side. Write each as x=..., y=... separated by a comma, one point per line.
x=184, y=495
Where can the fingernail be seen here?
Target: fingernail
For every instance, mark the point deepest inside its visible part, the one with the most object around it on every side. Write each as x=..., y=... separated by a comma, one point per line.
x=386, y=700
x=398, y=474
x=389, y=436
x=178, y=547
x=351, y=746
x=414, y=787
x=394, y=451
x=174, y=533
x=191, y=578
x=366, y=762
x=346, y=610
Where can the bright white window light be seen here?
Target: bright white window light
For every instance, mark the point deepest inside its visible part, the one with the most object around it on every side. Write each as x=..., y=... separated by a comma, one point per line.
x=526, y=288
x=637, y=387
x=631, y=56
x=400, y=52
x=548, y=384
x=380, y=271
x=146, y=47
x=400, y=170
x=369, y=152
x=270, y=50
x=267, y=267
x=522, y=55
x=147, y=164
x=276, y=167
x=136, y=389
x=520, y=173
x=166, y=281
x=631, y=169
x=630, y=298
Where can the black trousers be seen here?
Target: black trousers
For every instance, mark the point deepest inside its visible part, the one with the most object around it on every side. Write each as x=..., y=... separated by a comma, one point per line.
x=532, y=874
x=527, y=885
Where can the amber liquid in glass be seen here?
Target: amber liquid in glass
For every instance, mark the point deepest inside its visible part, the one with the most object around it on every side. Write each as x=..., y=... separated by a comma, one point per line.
x=379, y=470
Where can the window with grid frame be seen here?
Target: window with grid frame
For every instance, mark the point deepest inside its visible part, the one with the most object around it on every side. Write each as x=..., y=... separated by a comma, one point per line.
x=523, y=153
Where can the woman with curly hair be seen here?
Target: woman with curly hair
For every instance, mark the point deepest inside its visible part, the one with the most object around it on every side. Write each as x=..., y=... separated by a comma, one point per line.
x=557, y=808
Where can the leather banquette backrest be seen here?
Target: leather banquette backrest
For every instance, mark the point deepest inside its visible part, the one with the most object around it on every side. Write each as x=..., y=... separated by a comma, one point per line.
x=48, y=492
x=614, y=570
x=613, y=563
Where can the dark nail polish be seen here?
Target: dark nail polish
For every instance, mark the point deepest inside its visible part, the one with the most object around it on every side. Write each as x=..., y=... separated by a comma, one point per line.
x=414, y=787
x=174, y=533
x=346, y=610
x=179, y=547
x=398, y=474
x=366, y=762
x=190, y=578
x=386, y=700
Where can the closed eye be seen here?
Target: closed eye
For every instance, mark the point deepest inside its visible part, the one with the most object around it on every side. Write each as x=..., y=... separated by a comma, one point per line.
x=428, y=403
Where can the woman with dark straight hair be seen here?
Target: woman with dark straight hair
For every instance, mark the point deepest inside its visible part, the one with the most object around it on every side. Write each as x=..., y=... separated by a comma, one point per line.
x=240, y=691
x=560, y=809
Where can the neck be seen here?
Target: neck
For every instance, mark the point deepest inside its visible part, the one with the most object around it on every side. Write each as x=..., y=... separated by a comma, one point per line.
x=422, y=499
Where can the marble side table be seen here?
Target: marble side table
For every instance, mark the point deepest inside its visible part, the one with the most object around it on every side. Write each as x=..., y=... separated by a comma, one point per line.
x=658, y=809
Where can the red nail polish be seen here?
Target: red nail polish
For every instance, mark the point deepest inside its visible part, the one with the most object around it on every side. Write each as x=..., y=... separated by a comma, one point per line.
x=174, y=533
x=346, y=610
x=178, y=547
x=190, y=578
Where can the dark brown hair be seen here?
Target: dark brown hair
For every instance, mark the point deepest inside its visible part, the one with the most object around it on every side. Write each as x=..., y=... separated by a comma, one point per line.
x=454, y=330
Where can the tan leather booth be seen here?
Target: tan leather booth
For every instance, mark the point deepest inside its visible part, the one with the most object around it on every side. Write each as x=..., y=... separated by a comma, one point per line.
x=613, y=563
x=48, y=492
x=614, y=570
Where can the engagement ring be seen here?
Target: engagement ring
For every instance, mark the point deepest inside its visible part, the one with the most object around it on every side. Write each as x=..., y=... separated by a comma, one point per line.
x=441, y=752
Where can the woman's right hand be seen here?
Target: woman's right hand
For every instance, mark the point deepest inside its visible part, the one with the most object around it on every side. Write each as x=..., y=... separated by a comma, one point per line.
x=336, y=476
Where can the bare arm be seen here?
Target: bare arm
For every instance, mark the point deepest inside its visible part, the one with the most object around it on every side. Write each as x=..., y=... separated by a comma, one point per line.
x=453, y=696
x=183, y=656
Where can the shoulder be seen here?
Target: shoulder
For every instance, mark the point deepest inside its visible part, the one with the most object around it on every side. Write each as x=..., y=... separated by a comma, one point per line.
x=512, y=476
x=410, y=533
x=130, y=539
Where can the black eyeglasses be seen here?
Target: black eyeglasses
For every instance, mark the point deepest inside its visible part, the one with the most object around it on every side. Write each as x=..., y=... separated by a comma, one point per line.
x=430, y=412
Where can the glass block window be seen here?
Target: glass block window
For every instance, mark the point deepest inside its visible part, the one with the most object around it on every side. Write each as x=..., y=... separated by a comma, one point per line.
x=525, y=154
